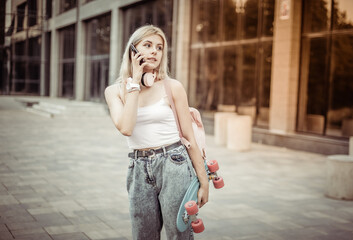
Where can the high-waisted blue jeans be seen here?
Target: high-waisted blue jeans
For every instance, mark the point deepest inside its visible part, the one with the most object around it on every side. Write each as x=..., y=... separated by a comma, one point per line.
x=156, y=187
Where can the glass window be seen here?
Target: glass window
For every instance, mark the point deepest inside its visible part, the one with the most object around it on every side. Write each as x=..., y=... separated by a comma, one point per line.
x=49, y=8
x=228, y=71
x=326, y=86
x=340, y=113
x=342, y=14
x=67, y=61
x=19, y=67
x=97, y=65
x=264, y=85
x=230, y=20
x=268, y=17
x=317, y=15
x=21, y=12
x=32, y=12
x=66, y=5
x=26, y=66
x=249, y=13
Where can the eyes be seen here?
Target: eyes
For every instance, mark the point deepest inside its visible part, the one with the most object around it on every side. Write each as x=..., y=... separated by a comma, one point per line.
x=149, y=45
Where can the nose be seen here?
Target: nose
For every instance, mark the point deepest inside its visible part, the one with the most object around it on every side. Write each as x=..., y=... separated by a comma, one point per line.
x=154, y=50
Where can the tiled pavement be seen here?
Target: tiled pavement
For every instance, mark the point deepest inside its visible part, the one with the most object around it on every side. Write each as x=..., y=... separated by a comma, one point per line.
x=64, y=178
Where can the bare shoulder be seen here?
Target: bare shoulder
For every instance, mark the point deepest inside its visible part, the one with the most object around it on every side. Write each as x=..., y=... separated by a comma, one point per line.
x=176, y=85
x=112, y=89
x=112, y=92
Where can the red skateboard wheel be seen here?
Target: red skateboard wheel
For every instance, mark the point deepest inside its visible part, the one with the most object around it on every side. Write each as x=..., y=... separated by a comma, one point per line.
x=212, y=166
x=191, y=208
x=218, y=182
x=198, y=226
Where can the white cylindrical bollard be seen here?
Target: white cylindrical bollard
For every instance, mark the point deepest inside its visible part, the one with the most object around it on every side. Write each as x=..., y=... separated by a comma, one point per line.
x=339, y=178
x=220, y=126
x=239, y=133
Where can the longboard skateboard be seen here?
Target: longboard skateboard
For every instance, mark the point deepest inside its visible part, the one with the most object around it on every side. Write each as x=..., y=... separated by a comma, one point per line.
x=188, y=208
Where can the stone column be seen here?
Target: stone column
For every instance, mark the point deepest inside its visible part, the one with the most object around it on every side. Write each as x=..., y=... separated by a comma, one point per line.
x=182, y=39
x=43, y=44
x=115, y=52
x=285, y=66
x=79, y=86
x=54, y=63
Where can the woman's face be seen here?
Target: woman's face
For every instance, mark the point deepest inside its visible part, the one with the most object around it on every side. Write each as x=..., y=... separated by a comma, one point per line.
x=152, y=49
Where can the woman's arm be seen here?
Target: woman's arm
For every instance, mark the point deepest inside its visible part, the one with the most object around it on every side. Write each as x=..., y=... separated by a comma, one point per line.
x=124, y=115
x=182, y=108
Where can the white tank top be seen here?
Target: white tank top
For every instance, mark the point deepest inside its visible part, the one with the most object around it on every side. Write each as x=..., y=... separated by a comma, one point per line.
x=155, y=126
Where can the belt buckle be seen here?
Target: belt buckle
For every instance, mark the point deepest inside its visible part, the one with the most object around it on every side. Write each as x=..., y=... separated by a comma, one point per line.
x=153, y=153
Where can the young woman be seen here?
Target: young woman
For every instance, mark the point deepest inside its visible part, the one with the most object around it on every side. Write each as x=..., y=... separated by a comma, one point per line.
x=160, y=168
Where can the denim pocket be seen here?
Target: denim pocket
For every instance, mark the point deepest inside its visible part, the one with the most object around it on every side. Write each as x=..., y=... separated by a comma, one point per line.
x=177, y=158
x=131, y=163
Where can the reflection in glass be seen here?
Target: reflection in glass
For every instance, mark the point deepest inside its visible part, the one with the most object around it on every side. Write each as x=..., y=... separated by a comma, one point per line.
x=66, y=5
x=67, y=61
x=316, y=79
x=229, y=69
x=340, y=114
x=230, y=90
x=247, y=83
x=316, y=15
x=229, y=20
x=264, y=86
x=313, y=86
x=98, y=45
x=249, y=16
x=342, y=14
x=268, y=17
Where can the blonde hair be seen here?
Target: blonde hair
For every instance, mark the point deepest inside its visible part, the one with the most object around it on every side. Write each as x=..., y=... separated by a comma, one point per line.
x=136, y=38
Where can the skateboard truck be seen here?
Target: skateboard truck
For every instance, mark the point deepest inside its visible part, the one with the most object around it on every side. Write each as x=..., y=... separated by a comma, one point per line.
x=213, y=167
x=188, y=209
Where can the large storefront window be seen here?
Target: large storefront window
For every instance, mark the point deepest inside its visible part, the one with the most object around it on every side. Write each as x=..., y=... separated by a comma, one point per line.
x=26, y=67
x=231, y=56
x=156, y=12
x=67, y=62
x=326, y=85
x=66, y=5
x=98, y=44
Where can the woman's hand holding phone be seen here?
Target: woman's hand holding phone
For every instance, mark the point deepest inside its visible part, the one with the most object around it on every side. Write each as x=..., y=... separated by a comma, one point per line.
x=137, y=65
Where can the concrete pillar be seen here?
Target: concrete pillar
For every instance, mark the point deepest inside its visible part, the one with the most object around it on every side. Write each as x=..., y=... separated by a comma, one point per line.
x=339, y=177
x=239, y=133
x=43, y=48
x=350, y=150
x=54, y=64
x=220, y=126
x=79, y=85
x=182, y=41
x=285, y=67
x=115, y=40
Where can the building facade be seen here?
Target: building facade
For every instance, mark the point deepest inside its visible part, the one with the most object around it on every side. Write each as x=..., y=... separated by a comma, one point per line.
x=286, y=63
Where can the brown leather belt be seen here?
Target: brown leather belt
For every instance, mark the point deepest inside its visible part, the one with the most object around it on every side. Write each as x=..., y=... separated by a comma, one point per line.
x=146, y=153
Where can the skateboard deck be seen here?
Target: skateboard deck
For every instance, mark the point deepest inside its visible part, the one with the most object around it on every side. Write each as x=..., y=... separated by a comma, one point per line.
x=183, y=222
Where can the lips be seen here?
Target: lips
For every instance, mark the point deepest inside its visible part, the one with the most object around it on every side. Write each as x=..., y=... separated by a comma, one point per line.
x=152, y=59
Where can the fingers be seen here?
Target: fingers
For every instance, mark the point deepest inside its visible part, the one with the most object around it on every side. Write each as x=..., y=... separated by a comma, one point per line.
x=137, y=57
x=202, y=198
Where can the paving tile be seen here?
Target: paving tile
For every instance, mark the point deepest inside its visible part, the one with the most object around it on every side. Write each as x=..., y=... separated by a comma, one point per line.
x=5, y=235
x=51, y=219
x=70, y=236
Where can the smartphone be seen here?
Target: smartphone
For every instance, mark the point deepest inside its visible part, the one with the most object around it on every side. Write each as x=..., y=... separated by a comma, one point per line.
x=135, y=51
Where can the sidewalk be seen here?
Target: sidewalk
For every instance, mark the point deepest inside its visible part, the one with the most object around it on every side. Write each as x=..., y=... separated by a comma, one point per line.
x=63, y=178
